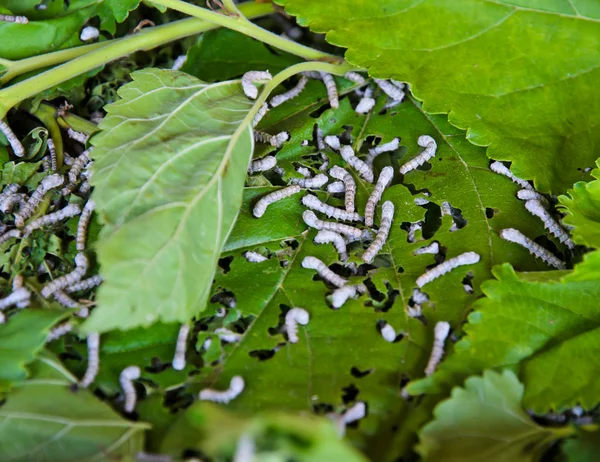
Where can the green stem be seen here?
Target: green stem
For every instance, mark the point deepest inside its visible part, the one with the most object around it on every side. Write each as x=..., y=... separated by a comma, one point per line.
x=47, y=116
x=250, y=29
x=79, y=124
x=144, y=40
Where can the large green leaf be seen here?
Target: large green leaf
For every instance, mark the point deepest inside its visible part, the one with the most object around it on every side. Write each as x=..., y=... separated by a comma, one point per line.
x=542, y=324
x=170, y=164
x=113, y=11
x=519, y=75
x=585, y=447
x=485, y=421
x=46, y=420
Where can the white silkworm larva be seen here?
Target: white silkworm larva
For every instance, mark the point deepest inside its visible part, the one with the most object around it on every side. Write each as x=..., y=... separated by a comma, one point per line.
x=513, y=235
x=387, y=215
x=78, y=165
x=414, y=311
x=52, y=151
x=327, y=237
x=331, y=87
x=333, y=142
x=427, y=142
x=385, y=177
x=341, y=295
x=292, y=318
x=89, y=33
x=236, y=386
x=15, y=19
x=314, y=183
x=84, y=222
x=93, y=345
x=227, y=335
x=14, y=142
x=365, y=105
x=260, y=114
x=250, y=78
x=65, y=300
x=537, y=209
x=262, y=165
x=433, y=248
x=305, y=172
x=355, y=77
x=71, y=278
x=179, y=62
x=59, y=331
x=261, y=206
x=359, y=165
x=68, y=211
x=126, y=378
x=291, y=94
x=440, y=333
x=388, y=333
x=77, y=136
x=181, y=347
x=530, y=194
x=377, y=150
x=390, y=89
x=8, y=203
x=501, y=169
x=467, y=258
x=356, y=412
x=412, y=230
x=19, y=297
x=9, y=235
x=273, y=140
x=421, y=201
x=311, y=220
x=336, y=187
x=254, y=257
x=86, y=284
x=2, y=318
x=313, y=202
x=315, y=264
x=349, y=185
x=47, y=184
x=16, y=285
x=245, y=450
x=419, y=297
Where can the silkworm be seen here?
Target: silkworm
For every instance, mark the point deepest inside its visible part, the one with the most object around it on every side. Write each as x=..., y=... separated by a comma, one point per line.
x=320, y=139
x=313, y=202
x=59, y=331
x=227, y=336
x=440, y=332
x=315, y=182
x=179, y=62
x=390, y=89
x=9, y=197
x=86, y=284
x=47, y=184
x=126, y=378
x=77, y=167
x=178, y=362
x=336, y=187
x=467, y=258
x=290, y=94
x=536, y=208
x=330, y=237
x=530, y=194
x=427, y=142
x=313, y=75
x=14, y=142
x=377, y=150
x=260, y=114
x=331, y=88
x=385, y=177
x=349, y=185
x=311, y=220
x=392, y=103
x=52, y=151
x=68, y=279
x=501, y=169
x=262, y=165
x=15, y=19
x=355, y=77
x=15, y=233
x=19, y=297
x=236, y=386
x=419, y=297
x=2, y=318
x=412, y=230
x=304, y=143
x=315, y=264
x=433, y=248
x=8, y=203
x=16, y=285
x=421, y=201
x=89, y=33
x=341, y=295
x=388, y=333
x=254, y=257
x=261, y=206
x=77, y=136
x=305, y=172
x=250, y=78
x=414, y=311
x=365, y=105
x=359, y=165
x=513, y=235
x=68, y=211
x=333, y=142
x=64, y=300
x=93, y=345
x=83, y=224
x=387, y=214
x=356, y=412
x=292, y=318
x=245, y=450
x=273, y=140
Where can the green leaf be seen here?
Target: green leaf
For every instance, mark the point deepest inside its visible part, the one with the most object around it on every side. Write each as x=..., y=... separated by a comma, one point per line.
x=485, y=421
x=170, y=164
x=46, y=420
x=224, y=54
x=518, y=75
x=277, y=437
x=21, y=338
x=18, y=173
x=113, y=11
x=585, y=447
x=582, y=205
x=541, y=324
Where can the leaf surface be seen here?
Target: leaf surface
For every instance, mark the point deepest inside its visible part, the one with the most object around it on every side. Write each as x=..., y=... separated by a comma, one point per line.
x=583, y=448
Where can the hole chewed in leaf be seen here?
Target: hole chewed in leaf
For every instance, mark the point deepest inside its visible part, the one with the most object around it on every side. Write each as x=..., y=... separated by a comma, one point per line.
x=357, y=373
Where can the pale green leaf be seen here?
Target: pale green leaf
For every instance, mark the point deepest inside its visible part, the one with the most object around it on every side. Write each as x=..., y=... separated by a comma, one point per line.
x=170, y=164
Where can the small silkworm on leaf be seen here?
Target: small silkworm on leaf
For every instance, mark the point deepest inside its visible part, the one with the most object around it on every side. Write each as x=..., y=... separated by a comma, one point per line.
x=331, y=88
x=89, y=33
x=377, y=150
x=412, y=231
x=14, y=142
x=64, y=300
x=390, y=89
x=254, y=257
x=356, y=412
x=341, y=295
x=355, y=77
x=467, y=258
x=77, y=136
x=333, y=142
x=93, y=345
x=365, y=105
x=81, y=262
x=261, y=206
x=291, y=94
x=181, y=347
x=245, y=450
x=349, y=185
x=84, y=285
x=273, y=140
x=313, y=183
x=16, y=285
x=433, y=248
x=385, y=177
x=388, y=333
x=68, y=211
x=513, y=235
x=359, y=165
x=47, y=184
x=537, y=209
x=501, y=169
x=440, y=333
x=260, y=114
x=262, y=165
x=84, y=222
x=15, y=19
x=330, y=237
x=315, y=264
x=52, y=151
x=250, y=78
x=126, y=378
x=59, y=331
x=292, y=318
x=313, y=202
x=19, y=297
x=336, y=187
x=419, y=297
x=14, y=233
x=427, y=142
x=311, y=220
x=236, y=386
x=530, y=194
x=387, y=216
x=227, y=335
x=179, y=62
x=305, y=172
